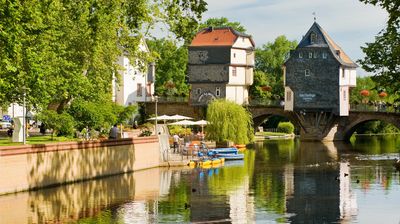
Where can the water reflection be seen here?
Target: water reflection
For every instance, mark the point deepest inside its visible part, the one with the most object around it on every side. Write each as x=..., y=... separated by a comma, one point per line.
x=279, y=181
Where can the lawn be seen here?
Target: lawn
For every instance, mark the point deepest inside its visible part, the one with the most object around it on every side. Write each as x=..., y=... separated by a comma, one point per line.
x=271, y=133
x=36, y=140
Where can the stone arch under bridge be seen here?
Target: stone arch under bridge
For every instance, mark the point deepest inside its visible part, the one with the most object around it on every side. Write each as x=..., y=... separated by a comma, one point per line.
x=314, y=126
x=348, y=125
x=259, y=115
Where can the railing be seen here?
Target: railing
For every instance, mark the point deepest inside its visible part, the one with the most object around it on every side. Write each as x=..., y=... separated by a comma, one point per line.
x=265, y=102
x=374, y=108
x=172, y=99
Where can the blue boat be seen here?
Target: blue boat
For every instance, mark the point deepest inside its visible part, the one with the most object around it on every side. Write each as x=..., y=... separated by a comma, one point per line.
x=225, y=150
x=230, y=156
x=227, y=153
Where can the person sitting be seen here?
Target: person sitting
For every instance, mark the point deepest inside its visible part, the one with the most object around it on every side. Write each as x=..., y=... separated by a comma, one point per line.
x=113, y=132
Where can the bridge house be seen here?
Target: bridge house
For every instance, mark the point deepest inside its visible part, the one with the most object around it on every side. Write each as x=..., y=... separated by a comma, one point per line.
x=221, y=62
x=318, y=75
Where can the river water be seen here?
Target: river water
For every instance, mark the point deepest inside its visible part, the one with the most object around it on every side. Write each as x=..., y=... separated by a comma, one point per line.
x=280, y=181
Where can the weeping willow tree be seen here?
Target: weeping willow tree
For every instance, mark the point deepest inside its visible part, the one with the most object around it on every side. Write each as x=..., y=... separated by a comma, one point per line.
x=229, y=122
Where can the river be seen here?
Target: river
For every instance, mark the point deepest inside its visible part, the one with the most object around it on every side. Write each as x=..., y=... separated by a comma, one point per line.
x=280, y=181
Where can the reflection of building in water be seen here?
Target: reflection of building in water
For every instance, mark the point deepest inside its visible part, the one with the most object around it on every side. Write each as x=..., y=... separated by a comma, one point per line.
x=242, y=204
x=315, y=190
x=138, y=212
x=348, y=200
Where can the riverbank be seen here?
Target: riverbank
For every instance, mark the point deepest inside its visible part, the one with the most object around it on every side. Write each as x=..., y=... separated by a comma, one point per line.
x=27, y=167
x=272, y=135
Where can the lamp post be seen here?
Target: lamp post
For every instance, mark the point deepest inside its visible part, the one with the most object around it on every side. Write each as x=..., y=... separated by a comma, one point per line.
x=24, y=119
x=156, y=101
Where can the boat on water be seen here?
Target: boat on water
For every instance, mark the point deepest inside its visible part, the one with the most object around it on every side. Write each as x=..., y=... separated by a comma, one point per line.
x=227, y=153
x=207, y=163
x=230, y=156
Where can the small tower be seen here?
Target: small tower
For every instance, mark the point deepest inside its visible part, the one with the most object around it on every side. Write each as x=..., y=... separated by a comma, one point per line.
x=318, y=75
x=221, y=62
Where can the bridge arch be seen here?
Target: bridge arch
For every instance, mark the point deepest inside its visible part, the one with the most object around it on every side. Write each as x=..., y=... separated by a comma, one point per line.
x=260, y=114
x=356, y=119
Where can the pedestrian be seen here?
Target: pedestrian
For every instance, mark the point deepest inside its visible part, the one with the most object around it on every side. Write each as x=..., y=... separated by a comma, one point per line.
x=113, y=132
x=176, y=142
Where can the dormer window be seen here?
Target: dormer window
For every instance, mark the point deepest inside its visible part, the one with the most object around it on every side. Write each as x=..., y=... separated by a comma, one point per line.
x=313, y=38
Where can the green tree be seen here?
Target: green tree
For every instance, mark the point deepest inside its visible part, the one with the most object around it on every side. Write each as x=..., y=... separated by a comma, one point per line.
x=229, y=122
x=222, y=22
x=383, y=55
x=269, y=60
x=61, y=124
x=56, y=51
x=170, y=67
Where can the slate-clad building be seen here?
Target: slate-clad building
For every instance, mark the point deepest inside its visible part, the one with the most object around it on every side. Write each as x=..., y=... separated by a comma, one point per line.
x=221, y=62
x=318, y=75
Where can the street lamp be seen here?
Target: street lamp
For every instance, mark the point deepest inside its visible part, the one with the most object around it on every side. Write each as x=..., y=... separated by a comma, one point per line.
x=156, y=101
x=24, y=116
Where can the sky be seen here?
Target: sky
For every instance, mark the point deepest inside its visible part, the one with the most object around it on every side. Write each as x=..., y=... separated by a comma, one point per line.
x=350, y=23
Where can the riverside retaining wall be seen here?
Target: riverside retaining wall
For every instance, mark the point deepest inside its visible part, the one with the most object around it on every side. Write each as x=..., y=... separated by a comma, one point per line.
x=34, y=166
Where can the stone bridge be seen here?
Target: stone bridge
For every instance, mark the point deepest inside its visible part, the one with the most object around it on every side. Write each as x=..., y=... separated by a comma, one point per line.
x=324, y=126
x=313, y=126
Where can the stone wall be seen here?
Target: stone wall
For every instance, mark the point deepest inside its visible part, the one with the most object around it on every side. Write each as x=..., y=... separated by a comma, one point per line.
x=35, y=166
x=208, y=73
x=171, y=108
x=320, y=89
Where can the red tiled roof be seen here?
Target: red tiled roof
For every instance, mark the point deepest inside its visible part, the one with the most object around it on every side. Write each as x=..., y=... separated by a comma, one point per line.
x=223, y=36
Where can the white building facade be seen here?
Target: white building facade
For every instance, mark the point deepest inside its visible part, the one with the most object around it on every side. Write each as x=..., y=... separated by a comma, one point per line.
x=134, y=85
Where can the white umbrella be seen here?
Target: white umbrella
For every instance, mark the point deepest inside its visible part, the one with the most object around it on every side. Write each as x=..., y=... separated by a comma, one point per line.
x=183, y=122
x=162, y=117
x=201, y=123
x=180, y=117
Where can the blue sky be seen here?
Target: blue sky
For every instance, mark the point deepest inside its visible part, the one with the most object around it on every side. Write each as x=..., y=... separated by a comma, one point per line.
x=350, y=23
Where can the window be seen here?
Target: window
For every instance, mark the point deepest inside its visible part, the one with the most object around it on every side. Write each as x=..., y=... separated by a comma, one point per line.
x=218, y=91
x=309, y=54
x=288, y=96
x=300, y=54
x=139, y=89
x=313, y=38
x=343, y=72
x=234, y=71
x=344, y=95
x=198, y=91
x=307, y=72
x=234, y=55
x=324, y=55
x=315, y=54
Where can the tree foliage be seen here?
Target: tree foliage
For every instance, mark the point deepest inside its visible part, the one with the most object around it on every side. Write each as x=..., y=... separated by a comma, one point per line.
x=222, y=22
x=171, y=67
x=286, y=127
x=229, y=122
x=54, y=51
x=269, y=60
x=61, y=124
x=383, y=55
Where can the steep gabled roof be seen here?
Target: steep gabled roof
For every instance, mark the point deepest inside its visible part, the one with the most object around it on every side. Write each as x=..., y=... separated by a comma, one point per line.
x=327, y=41
x=218, y=36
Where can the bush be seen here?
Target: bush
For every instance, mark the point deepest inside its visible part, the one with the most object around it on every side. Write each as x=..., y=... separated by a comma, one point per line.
x=286, y=127
x=179, y=130
x=62, y=124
